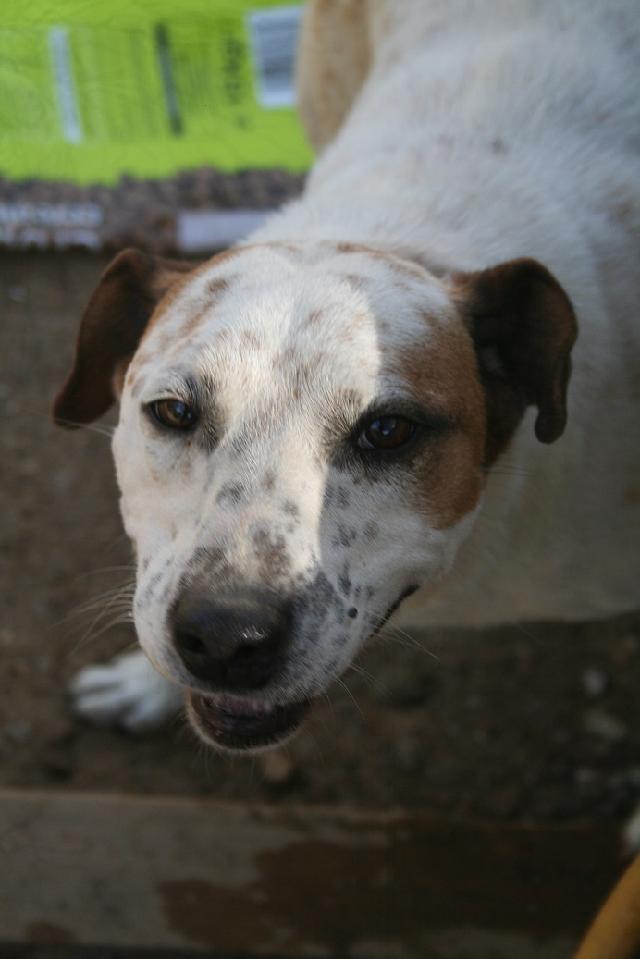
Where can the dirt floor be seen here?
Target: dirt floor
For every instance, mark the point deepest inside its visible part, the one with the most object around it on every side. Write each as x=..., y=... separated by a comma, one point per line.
x=530, y=722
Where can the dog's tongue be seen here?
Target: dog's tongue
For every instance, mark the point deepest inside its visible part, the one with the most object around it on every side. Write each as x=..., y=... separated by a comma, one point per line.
x=239, y=723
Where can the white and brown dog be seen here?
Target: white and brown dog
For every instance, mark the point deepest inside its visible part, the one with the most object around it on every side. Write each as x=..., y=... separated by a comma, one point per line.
x=314, y=424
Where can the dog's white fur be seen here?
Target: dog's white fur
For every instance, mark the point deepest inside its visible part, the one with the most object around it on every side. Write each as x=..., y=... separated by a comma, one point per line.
x=462, y=133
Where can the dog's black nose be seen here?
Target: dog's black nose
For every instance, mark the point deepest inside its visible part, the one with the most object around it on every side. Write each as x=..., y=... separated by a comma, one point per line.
x=235, y=644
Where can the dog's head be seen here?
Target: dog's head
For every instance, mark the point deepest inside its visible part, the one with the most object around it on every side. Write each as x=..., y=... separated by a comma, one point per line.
x=303, y=439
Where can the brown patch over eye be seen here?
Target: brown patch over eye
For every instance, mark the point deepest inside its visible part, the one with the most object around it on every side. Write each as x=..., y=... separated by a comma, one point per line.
x=448, y=474
x=386, y=432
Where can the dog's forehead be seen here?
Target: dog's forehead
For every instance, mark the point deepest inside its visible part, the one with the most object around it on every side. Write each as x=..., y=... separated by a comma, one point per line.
x=270, y=313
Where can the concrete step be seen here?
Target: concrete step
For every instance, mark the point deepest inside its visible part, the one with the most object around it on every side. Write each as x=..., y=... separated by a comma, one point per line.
x=231, y=880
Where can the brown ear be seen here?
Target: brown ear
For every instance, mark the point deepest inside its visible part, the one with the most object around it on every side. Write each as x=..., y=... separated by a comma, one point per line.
x=523, y=327
x=110, y=331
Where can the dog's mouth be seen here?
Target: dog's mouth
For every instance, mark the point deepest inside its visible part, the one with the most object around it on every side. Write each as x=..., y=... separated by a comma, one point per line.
x=236, y=723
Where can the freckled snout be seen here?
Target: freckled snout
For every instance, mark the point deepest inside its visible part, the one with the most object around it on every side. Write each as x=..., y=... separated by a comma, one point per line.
x=235, y=644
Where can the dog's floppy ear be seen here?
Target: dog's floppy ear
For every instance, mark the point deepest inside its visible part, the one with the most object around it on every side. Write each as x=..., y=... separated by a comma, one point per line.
x=110, y=331
x=523, y=327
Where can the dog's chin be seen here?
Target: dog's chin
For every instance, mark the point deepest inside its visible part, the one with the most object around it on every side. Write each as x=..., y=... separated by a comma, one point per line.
x=241, y=724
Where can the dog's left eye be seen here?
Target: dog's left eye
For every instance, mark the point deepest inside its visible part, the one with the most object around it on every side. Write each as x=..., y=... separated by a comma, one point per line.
x=175, y=414
x=386, y=433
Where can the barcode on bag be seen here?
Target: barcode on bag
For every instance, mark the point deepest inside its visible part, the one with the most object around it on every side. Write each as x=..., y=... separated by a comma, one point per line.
x=274, y=37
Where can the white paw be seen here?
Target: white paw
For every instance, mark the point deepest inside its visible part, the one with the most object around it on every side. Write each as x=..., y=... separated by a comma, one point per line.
x=126, y=692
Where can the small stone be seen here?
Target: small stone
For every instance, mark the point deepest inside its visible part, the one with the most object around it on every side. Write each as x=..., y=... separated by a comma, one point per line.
x=504, y=802
x=603, y=725
x=595, y=682
x=17, y=294
x=277, y=767
x=633, y=776
x=585, y=777
x=18, y=731
x=29, y=466
x=62, y=480
x=57, y=770
x=43, y=664
x=408, y=755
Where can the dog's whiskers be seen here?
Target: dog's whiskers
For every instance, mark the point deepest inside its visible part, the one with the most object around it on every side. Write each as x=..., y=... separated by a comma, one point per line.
x=355, y=702
x=308, y=732
x=114, y=609
x=93, y=634
x=101, y=428
x=126, y=567
x=368, y=677
x=105, y=602
x=401, y=638
x=326, y=696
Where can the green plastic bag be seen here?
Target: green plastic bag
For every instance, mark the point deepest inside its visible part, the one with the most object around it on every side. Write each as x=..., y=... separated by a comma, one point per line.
x=153, y=108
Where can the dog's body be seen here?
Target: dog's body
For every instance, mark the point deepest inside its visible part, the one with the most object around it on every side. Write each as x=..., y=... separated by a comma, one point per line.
x=484, y=132
x=454, y=136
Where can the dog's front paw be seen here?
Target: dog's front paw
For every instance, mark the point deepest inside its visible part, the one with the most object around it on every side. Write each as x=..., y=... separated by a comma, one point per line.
x=127, y=692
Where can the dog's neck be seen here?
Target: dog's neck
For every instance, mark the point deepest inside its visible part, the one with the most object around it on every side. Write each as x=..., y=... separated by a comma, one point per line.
x=361, y=206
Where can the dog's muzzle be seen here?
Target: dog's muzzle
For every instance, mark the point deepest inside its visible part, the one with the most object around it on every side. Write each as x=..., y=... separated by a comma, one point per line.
x=235, y=646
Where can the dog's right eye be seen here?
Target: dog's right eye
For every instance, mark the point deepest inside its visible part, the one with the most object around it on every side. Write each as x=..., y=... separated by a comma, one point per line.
x=174, y=414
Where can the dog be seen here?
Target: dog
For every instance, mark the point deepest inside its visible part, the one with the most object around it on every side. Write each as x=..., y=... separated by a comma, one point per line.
x=380, y=393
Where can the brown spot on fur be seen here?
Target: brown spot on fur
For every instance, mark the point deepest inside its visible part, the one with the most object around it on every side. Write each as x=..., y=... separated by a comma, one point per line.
x=301, y=378
x=272, y=556
x=226, y=256
x=230, y=494
x=269, y=481
x=351, y=248
x=499, y=147
x=285, y=359
x=396, y=260
x=212, y=561
x=235, y=251
x=120, y=375
x=251, y=339
x=344, y=580
x=174, y=281
x=140, y=360
x=133, y=381
x=216, y=289
x=218, y=286
x=343, y=498
x=314, y=318
x=443, y=377
x=370, y=531
x=281, y=244
x=357, y=282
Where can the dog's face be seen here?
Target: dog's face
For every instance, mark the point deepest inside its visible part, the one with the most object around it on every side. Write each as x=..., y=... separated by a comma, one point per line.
x=303, y=439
